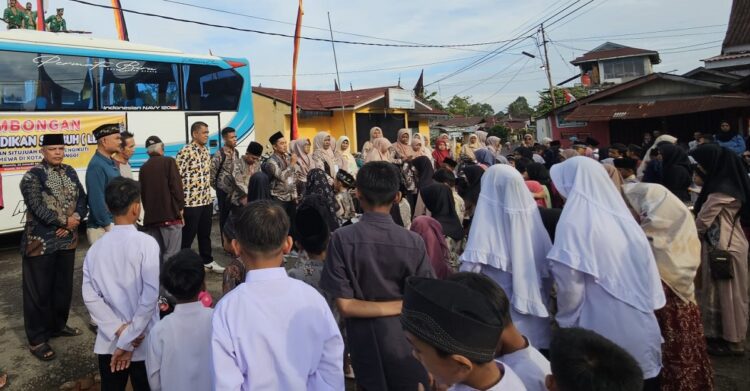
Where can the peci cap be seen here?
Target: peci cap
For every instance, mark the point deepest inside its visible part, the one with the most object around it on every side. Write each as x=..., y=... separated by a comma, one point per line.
x=106, y=130
x=255, y=149
x=275, y=137
x=346, y=178
x=53, y=139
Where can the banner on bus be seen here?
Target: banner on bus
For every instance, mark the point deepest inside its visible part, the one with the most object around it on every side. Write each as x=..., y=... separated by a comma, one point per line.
x=21, y=137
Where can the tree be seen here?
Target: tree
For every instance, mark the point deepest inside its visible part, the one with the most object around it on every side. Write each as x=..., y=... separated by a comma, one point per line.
x=431, y=100
x=481, y=110
x=499, y=131
x=545, y=102
x=462, y=105
x=520, y=108
x=458, y=105
x=500, y=114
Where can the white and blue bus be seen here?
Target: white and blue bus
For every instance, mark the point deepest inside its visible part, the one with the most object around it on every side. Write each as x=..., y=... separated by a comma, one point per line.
x=51, y=83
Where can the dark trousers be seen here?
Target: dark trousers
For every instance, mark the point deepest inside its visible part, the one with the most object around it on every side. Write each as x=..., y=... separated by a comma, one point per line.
x=118, y=380
x=225, y=207
x=290, y=207
x=198, y=222
x=47, y=291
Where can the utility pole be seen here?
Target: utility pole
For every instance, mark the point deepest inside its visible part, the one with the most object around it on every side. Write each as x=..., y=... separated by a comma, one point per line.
x=546, y=68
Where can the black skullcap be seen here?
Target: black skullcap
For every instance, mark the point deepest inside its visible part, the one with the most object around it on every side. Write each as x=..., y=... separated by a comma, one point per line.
x=346, y=178
x=626, y=162
x=255, y=149
x=153, y=140
x=276, y=136
x=451, y=317
x=450, y=162
x=53, y=139
x=106, y=130
x=592, y=141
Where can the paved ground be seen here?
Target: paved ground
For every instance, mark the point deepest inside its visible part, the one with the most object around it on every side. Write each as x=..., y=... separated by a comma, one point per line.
x=76, y=359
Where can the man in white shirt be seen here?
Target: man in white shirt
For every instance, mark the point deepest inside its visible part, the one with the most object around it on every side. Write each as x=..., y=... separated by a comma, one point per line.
x=273, y=332
x=179, y=346
x=121, y=288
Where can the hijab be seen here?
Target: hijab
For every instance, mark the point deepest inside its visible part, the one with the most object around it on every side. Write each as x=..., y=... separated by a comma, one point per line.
x=724, y=137
x=426, y=150
x=404, y=150
x=259, y=187
x=615, y=176
x=538, y=172
x=676, y=170
x=438, y=199
x=482, y=135
x=425, y=171
x=598, y=236
x=303, y=159
x=375, y=155
x=493, y=143
x=432, y=233
x=670, y=228
x=439, y=155
x=417, y=142
x=469, y=148
x=317, y=184
x=569, y=153
x=344, y=159
x=485, y=156
x=325, y=155
x=507, y=233
x=473, y=183
x=647, y=156
x=725, y=174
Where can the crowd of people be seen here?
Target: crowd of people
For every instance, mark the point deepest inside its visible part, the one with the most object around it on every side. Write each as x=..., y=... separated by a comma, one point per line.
x=414, y=264
x=17, y=18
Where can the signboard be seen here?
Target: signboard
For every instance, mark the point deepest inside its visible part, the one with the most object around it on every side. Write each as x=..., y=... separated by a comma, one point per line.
x=21, y=137
x=400, y=99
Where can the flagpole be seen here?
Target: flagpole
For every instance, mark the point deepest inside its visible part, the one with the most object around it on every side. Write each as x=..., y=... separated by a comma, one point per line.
x=122, y=29
x=40, y=15
x=336, y=63
x=295, y=57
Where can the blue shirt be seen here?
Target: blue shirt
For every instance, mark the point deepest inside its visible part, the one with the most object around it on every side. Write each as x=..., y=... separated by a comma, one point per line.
x=100, y=172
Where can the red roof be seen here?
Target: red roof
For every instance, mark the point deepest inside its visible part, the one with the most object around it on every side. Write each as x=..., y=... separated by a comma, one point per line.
x=653, y=109
x=738, y=30
x=598, y=55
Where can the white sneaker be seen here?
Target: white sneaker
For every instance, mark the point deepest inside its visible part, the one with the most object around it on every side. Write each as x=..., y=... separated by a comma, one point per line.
x=214, y=267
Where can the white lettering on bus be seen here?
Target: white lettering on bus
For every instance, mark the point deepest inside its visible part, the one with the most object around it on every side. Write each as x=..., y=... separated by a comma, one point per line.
x=121, y=66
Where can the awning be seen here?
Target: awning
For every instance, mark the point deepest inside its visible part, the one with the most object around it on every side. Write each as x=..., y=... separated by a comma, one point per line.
x=655, y=109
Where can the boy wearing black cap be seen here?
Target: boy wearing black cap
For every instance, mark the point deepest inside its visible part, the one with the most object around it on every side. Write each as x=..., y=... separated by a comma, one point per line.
x=343, y=185
x=162, y=197
x=454, y=331
x=627, y=168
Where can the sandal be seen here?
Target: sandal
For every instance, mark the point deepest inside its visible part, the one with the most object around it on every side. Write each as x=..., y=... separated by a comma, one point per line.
x=43, y=352
x=67, y=331
x=3, y=380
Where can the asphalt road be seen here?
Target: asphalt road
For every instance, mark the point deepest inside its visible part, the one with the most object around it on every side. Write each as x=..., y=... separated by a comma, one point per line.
x=75, y=357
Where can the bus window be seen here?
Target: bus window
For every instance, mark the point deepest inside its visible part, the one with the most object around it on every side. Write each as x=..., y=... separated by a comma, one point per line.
x=45, y=82
x=211, y=88
x=140, y=85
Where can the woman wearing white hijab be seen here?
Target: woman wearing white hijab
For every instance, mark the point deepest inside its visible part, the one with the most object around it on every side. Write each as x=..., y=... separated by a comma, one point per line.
x=323, y=155
x=375, y=133
x=647, y=156
x=402, y=146
x=672, y=232
x=603, y=266
x=344, y=158
x=508, y=243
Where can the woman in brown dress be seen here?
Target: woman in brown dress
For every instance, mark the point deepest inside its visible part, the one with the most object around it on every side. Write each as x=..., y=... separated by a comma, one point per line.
x=669, y=225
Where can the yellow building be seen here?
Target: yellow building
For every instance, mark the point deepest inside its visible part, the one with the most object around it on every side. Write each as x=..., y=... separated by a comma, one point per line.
x=342, y=113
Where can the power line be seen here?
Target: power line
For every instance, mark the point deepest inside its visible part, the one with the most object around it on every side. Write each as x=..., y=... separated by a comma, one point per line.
x=506, y=84
x=153, y=15
x=490, y=77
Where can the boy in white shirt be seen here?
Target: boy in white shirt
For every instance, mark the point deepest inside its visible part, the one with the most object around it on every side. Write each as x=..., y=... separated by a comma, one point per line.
x=121, y=289
x=273, y=332
x=179, y=346
x=513, y=349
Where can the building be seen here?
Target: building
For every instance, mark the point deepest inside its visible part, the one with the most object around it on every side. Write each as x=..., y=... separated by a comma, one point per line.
x=735, y=50
x=459, y=125
x=610, y=64
x=350, y=113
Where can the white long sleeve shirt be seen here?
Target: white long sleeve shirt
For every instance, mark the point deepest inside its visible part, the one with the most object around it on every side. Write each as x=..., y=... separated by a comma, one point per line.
x=275, y=333
x=530, y=366
x=179, y=350
x=121, y=286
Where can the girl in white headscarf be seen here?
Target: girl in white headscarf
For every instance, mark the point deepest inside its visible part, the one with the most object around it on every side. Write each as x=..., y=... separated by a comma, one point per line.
x=482, y=135
x=375, y=133
x=424, y=140
x=671, y=230
x=508, y=243
x=344, y=158
x=647, y=156
x=467, y=150
x=603, y=266
x=404, y=152
x=323, y=155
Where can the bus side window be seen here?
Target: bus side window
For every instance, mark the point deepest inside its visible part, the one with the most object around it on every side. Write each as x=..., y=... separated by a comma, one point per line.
x=211, y=88
x=139, y=84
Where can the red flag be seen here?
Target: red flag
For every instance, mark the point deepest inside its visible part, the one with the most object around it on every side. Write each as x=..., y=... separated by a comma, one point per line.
x=297, y=33
x=40, y=15
x=568, y=96
x=122, y=29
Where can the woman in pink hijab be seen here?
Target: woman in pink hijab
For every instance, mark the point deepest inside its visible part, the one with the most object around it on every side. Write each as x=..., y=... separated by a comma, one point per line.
x=432, y=233
x=380, y=151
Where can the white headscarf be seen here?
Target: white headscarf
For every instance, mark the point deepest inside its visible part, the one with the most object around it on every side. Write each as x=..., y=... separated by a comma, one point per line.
x=322, y=154
x=647, y=157
x=344, y=159
x=670, y=226
x=507, y=233
x=598, y=236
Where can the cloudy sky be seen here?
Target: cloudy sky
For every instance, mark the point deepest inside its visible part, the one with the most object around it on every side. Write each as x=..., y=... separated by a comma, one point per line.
x=683, y=31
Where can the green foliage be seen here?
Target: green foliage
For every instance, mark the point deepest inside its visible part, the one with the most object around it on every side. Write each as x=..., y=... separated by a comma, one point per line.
x=431, y=99
x=545, y=102
x=520, y=108
x=463, y=106
x=499, y=131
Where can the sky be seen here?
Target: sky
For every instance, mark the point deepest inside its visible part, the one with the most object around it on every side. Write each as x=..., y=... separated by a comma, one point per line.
x=683, y=31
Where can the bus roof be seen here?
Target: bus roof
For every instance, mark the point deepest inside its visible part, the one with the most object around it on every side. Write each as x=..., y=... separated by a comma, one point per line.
x=73, y=40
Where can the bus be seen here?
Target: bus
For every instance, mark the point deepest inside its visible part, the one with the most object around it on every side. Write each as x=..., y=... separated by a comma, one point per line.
x=71, y=84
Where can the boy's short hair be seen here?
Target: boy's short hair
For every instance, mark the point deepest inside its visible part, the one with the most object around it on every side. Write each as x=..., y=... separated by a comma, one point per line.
x=226, y=131
x=310, y=228
x=452, y=318
x=445, y=176
x=582, y=360
x=262, y=227
x=124, y=137
x=378, y=183
x=183, y=275
x=120, y=193
x=489, y=289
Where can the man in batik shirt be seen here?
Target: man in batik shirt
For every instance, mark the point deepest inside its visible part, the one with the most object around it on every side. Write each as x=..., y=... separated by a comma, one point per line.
x=281, y=169
x=55, y=205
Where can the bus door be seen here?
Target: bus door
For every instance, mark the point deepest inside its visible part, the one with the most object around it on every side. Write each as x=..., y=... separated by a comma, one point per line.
x=214, y=128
